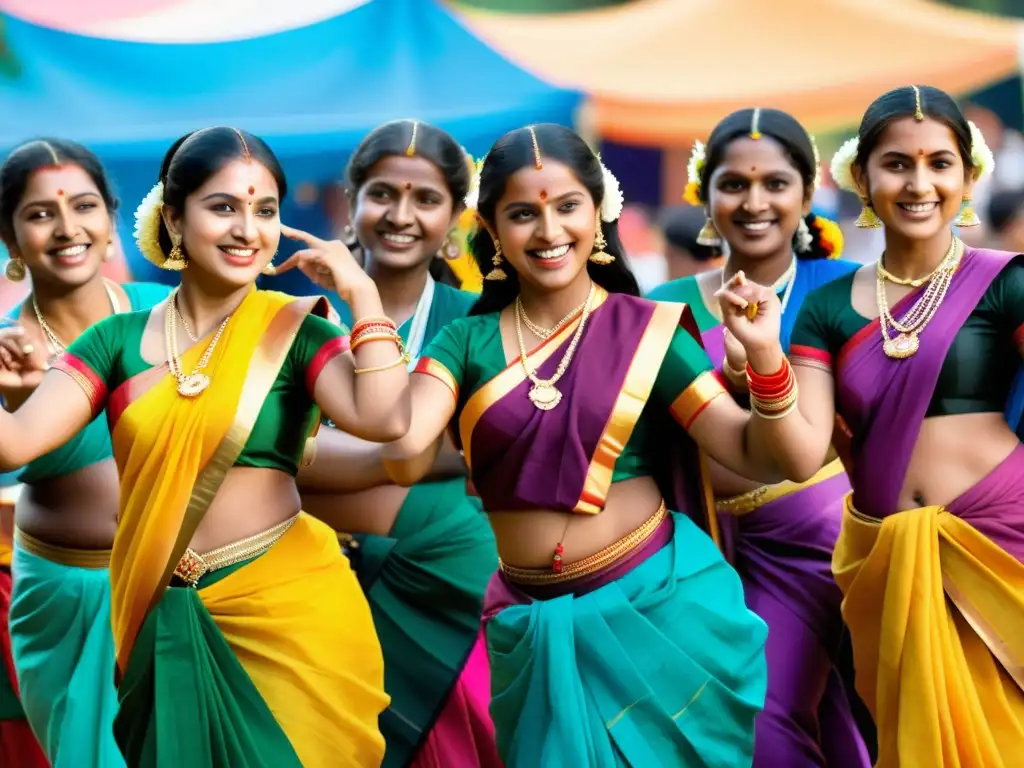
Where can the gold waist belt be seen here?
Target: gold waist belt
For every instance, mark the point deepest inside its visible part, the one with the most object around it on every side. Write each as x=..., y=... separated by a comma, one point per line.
x=73, y=558
x=193, y=566
x=592, y=563
x=747, y=502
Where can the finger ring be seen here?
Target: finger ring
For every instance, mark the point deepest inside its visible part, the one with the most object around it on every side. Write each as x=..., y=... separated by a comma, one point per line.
x=28, y=349
x=751, y=310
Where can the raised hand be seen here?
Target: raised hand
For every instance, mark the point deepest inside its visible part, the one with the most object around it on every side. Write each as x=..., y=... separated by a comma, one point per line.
x=328, y=263
x=22, y=364
x=752, y=314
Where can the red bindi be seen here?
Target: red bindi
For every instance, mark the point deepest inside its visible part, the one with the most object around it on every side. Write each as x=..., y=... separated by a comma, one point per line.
x=408, y=186
x=920, y=153
x=543, y=195
x=252, y=190
x=60, y=193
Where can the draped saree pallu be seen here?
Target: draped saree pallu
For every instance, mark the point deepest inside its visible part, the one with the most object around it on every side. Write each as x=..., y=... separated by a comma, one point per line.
x=640, y=668
x=246, y=669
x=780, y=538
x=934, y=597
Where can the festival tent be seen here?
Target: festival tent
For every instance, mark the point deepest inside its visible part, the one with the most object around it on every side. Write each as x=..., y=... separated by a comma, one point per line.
x=663, y=72
x=312, y=92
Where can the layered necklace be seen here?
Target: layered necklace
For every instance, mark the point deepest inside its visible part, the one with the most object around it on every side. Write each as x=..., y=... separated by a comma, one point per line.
x=544, y=395
x=908, y=330
x=196, y=382
x=54, y=344
x=539, y=331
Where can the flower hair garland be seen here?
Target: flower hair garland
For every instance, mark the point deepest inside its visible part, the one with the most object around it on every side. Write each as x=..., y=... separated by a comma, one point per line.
x=842, y=162
x=147, y=225
x=694, y=168
x=611, y=203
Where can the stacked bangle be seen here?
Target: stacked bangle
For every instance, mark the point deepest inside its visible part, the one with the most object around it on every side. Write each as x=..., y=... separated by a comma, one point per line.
x=378, y=328
x=775, y=395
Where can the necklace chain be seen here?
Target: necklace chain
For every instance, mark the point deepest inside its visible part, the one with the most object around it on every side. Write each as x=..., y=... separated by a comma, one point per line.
x=544, y=395
x=546, y=333
x=196, y=382
x=55, y=344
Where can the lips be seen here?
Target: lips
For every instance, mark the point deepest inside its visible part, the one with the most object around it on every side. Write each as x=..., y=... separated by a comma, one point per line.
x=919, y=207
x=239, y=257
x=548, y=254
x=755, y=226
x=70, y=255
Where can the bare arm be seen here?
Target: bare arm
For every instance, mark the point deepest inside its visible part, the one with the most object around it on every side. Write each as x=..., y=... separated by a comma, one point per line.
x=57, y=411
x=409, y=458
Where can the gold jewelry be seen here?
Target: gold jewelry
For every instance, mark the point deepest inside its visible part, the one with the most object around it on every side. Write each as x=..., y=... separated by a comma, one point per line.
x=755, y=125
x=918, y=112
x=181, y=318
x=270, y=270
x=496, y=273
x=868, y=219
x=600, y=256
x=193, y=566
x=411, y=149
x=195, y=383
x=543, y=394
x=403, y=359
x=56, y=346
x=536, y=149
x=737, y=378
x=15, y=270
x=909, y=329
x=967, y=217
x=175, y=261
x=545, y=333
x=708, y=235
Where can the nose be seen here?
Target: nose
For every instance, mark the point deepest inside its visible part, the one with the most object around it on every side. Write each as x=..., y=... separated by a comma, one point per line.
x=401, y=214
x=756, y=201
x=245, y=226
x=548, y=225
x=919, y=182
x=65, y=226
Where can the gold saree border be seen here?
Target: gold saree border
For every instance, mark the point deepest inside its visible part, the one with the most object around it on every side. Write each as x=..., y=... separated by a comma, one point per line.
x=431, y=367
x=510, y=378
x=94, y=559
x=93, y=386
x=692, y=401
x=745, y=503
x=268, y=356
x=633, y=395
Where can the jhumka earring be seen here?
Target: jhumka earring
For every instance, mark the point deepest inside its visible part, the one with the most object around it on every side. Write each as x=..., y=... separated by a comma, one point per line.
x=15, y=270
x=967, y=216
x=868, y=219
x=496, y=273
x=175, y=261
x=270, y=270
x=600, y=256
x=708, y=235
x=450, y=248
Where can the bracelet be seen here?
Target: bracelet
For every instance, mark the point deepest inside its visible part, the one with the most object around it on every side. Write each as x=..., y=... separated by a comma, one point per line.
x=370, y=331
x=367, y=337
x=776, y=415
x=402, y=359
x=762, y=381
x=374, y=320
x=738, y=379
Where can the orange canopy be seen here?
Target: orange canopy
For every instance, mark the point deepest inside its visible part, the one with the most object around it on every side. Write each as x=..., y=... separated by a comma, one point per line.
x=663, y=72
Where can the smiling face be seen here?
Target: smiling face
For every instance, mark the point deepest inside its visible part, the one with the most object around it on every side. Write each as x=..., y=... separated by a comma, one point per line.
x=231, y=225
x=403, y=211
x=757, y=198
x=916, y=178
x=62, y=227
x=545, y=222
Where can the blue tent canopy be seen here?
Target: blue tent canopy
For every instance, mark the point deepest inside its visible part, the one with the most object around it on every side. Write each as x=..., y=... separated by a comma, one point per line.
x=312, y=92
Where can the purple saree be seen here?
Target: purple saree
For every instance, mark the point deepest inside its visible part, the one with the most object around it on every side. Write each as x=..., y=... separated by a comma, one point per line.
x=782, y=549
x=934, y=597
x=603, y=676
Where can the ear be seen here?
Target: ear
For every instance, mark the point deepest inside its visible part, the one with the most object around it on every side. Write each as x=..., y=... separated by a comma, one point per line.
x=173, y=223
x=861, y=180
x=969, y=182
x=458, y=208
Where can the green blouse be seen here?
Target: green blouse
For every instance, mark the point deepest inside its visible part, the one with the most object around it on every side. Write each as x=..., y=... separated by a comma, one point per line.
x=112, y=349
x=471, y=350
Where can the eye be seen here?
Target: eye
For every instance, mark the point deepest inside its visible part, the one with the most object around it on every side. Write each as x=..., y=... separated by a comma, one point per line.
x=267, y=211
x=521, y=215
x=222, y=208
x=731, y=185
x=569, y=206
x=430, y=198
x=942, y=165
x=38, y=215
x=776, y=185
x=378, y=194
x=896, y=165
x=86, y=206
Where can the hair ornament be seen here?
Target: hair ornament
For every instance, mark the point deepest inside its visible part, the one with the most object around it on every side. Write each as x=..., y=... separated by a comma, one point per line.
x=830, y=237
x=918, y=112
x=147, y=225
x=536, y=149
x=411, y=149
x=472, y=200
x=755, y=124
x=613, y=200
x=694, y=168
x=842, y=165
x=982, y=159
x=816, y=155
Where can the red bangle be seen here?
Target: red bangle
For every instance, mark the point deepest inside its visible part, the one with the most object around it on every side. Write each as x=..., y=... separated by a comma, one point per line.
x=779, y=375
x=368, y=322
x=775, y=390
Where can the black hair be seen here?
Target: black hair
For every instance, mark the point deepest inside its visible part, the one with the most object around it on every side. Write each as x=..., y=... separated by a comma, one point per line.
x=431, y=143
x=1004, y=208
x=681, y=224
x=904, y=102
x=35, y=155
x=196, y=156
x=788, y=133
x=510, y=153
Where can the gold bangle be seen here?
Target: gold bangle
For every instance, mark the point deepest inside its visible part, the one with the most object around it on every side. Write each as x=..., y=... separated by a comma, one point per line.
x=362, y=339
x=737, y=378
x=402, y=359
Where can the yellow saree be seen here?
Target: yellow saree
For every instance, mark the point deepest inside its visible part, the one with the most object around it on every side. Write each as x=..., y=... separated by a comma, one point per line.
x=936, y=611
x=260, y=665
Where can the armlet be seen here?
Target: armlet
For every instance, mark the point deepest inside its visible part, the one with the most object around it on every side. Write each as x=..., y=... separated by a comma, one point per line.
x=432, y=367
x=692, y=401
x=93, y=386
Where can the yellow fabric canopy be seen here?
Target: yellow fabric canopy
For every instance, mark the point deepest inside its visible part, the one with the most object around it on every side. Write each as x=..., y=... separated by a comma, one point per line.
x=663, y=72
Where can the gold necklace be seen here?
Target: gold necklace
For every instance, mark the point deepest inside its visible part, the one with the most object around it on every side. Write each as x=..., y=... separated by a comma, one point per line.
x=545, y=333
x=195, y=383
x=543, y=394
x=917, y=282
x=181, y=317
x=909, y=329
x=56, y=346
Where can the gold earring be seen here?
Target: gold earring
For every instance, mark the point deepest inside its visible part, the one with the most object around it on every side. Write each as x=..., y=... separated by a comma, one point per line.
x=868, y=219
x=15, y=270
x=708, y=235
x=175, y=261
x=450, y=248
x=270, y=270
x=967, y=216
x=497, y=273
x=600, y=256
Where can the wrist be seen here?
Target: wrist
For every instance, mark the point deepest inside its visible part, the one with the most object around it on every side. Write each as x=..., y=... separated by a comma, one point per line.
x=767, y=360
x=364, y=301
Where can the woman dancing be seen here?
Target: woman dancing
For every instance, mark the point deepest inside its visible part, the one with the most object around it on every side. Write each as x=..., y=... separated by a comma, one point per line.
x=756, y=177
x=604, y=645
x=56, y=218
x=422, y=554
x=222, y=657
x=930, y=554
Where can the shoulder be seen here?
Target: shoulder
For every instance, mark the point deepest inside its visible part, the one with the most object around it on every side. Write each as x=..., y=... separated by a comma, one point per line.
x=145, y=295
